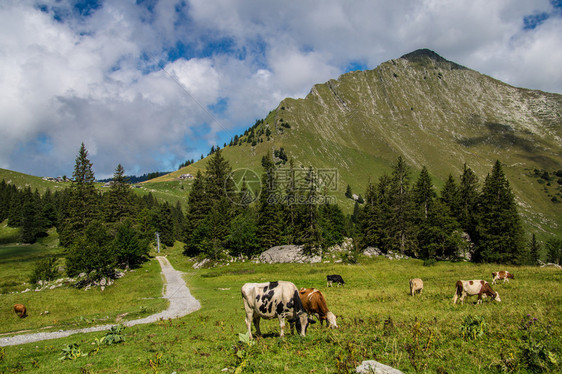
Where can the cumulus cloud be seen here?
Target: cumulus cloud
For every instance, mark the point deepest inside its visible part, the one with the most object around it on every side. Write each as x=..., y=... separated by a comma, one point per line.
x=152, y=84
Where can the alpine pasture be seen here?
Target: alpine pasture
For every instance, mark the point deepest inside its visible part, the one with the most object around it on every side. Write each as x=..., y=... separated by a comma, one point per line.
x=377, y=319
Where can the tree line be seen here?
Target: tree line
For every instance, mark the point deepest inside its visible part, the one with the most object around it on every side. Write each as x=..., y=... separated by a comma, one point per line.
x=224, y=216
x=99, y=231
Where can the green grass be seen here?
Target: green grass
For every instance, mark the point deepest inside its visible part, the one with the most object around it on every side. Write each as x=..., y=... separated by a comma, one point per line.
x=377, y=318
x=17, y=260
x=138, y=294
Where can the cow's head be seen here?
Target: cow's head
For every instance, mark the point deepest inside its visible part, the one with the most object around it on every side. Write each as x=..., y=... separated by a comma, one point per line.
x=331, y=317
x=301, y=322
x=497, y=297
x=509, y=275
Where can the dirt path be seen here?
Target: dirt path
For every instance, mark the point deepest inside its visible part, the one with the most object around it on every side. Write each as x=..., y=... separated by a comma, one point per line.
x=175, y=290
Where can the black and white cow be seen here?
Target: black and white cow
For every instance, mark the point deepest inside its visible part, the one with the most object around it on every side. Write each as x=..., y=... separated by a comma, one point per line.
x=274, y=299
x=334, y=278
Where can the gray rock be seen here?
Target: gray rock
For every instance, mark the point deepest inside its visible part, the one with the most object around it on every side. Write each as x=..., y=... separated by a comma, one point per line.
x=374, y=367
x=287, y=254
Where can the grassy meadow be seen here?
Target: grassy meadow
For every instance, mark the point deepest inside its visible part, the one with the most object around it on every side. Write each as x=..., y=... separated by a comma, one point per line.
x=378, y=320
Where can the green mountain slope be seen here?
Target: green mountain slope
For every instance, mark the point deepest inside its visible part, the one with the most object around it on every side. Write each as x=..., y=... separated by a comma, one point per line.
x=431, y=111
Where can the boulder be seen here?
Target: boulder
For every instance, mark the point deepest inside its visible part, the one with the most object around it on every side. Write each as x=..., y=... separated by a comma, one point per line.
x=287, y=254
x=374, y=367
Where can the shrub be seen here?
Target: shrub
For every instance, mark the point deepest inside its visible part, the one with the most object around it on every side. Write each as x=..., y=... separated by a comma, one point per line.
x=473, y=327
x=536, y=353
x=429, y=262
x=45, y=269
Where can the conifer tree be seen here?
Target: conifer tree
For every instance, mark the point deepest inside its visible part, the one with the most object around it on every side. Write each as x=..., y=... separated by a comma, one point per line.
x=29, y=227
x=91, y=251
x=423, y=194
x=554, y=250
x=450, y=195
x=164, y=224
x=534, y=251
x=218, y=181
x=269, y=217
x=83, y=199
x=243, y=236
x=332, y=224
x=290, y=213
x=348, y=192
x=501, y=230
x=467, y=214
x=403, y=236
x=130, y=250
x=367, y=219
x=311, y=236
x=119, y=198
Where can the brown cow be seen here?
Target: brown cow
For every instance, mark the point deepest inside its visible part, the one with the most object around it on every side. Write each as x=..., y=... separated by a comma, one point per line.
x=314, y=303
x=20, y=310
x=504, y=274
x=474, y=287
x=416, y=286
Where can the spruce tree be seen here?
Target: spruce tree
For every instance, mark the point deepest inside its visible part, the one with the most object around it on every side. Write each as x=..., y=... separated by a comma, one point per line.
x=119, y=198
x=310, y=234
x=367, y=219
x=130, y=249
x=348, y=192
x=332, y=224
x=467, y=213
x=383, y=214
x=269, y=212
x=83, y=199
x=554, y=250
x=243, y=237
x=29, y=229
x=423, y=194
x=289, y=206
x=450, y=195
x=198, y=207
x=501, y=230
x=534, y=251
x=403, y=235
x=91, y=252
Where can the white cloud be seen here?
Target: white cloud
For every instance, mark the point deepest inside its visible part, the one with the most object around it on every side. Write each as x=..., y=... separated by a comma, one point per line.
x=106, y=79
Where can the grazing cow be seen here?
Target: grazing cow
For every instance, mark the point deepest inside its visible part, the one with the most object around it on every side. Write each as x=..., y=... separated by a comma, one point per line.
x=314, y=303
x=416, y=286
x=474, y=287
x=505, y=275
x=20, y=310
x=274, y=299
x=334, y=278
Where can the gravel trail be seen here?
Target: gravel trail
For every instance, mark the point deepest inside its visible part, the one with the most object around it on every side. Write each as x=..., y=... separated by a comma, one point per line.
x=175, y=290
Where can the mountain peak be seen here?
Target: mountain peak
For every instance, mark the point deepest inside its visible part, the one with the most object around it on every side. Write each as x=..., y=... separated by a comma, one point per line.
x=425, y=55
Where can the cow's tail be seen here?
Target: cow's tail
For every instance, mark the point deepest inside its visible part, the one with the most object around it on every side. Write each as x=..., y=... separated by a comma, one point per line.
x=458, y=291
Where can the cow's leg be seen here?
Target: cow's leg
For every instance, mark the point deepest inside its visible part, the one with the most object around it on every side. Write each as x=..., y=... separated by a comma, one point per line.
x=257, y=324
x=479, y=299
x=248, y=321
x=282, y=326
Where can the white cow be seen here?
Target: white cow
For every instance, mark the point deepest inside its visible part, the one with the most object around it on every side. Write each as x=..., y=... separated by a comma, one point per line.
x=504, y=274
x=274, y=299
x=416, y=285
x=474, y=287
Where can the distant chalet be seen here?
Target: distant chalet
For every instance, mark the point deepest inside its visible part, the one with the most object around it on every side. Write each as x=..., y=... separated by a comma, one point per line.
x=186, y=176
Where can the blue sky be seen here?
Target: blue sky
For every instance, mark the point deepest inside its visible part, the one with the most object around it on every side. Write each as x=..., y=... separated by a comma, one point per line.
x=150, y=84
